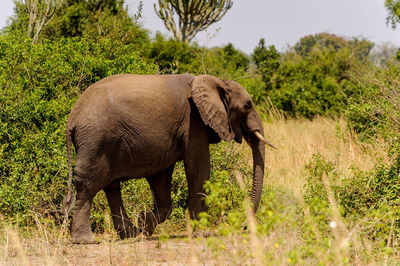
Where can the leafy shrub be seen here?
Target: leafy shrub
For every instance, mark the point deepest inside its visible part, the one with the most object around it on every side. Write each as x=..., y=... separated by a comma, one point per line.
x=316, y=77
x=267, y=61
x=39, y=84
x=375, y=111
x=374, y=197
x=367, y=198
x=171, y=56
x=318, y=84
x=360, y=47
x=234, y=57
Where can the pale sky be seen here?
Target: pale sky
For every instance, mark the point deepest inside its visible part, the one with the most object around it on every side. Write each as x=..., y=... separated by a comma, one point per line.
x=280, y=22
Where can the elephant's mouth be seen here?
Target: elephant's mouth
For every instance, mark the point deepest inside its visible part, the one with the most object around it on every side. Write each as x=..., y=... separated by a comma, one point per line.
x=243, y=131
x=247, y=139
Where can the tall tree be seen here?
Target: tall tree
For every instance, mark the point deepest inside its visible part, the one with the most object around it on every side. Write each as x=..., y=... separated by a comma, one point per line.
x=193, y=15
x=360, y=47
x=393, y=9
x=267, y=61
x=78, y=18
x=39, y=14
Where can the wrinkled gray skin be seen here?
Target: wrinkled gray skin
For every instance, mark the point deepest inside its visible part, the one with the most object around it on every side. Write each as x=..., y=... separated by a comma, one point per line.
x=138, y=126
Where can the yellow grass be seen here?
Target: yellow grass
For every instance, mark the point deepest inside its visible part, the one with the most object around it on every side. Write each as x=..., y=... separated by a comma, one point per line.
x=297, y=141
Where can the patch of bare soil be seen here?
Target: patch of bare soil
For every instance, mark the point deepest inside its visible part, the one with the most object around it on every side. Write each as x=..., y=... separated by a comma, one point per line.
x=177, y=250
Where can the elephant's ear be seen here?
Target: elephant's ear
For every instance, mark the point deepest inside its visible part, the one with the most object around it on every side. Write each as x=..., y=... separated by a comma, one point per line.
x=210, y=96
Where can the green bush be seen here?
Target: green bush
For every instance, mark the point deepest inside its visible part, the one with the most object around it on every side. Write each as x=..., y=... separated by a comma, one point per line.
x=375, y=110
x=366, y=198
x=316, y=77
x=374, y=197
x=318, y=84
x=89, y=19
x=267, y=61
x=170, y=55
x=39, y=85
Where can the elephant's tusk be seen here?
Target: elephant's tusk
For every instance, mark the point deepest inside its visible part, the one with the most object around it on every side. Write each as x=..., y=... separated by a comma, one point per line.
x=261, y=138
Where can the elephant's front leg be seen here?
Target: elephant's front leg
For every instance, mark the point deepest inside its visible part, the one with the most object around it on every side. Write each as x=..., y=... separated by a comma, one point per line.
x=160, y=186
x=121, y=221
x=197, y=172
x=197, y=168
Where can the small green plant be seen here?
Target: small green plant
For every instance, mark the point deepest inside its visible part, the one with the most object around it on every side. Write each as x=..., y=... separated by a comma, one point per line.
x=316, y=197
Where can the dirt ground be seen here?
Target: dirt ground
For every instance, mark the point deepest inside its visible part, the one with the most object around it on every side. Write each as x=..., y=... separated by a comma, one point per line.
x=177, y=250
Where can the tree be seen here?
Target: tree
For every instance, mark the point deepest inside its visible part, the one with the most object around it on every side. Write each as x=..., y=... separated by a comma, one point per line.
x=360, y=47
x=307, y=43
x=171, y=55
x=267, y=61
x=40, y=13
x=233, y=56
x=79, y=18
x=193, y=15
x=393, y=9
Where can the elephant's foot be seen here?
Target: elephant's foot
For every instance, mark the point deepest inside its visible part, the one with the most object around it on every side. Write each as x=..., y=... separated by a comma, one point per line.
x=84, y=239
x=130, y=232
x=147, y=223
x=201, y=233
x=81, y=234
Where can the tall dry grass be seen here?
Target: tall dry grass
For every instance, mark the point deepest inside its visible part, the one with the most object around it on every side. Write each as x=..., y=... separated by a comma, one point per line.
x=299, y=139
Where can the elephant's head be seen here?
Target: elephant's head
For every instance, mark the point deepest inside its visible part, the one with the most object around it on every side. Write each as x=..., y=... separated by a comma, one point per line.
x=226, y=107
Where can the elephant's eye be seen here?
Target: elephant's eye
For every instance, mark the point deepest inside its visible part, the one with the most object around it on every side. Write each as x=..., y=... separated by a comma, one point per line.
x=247, y=106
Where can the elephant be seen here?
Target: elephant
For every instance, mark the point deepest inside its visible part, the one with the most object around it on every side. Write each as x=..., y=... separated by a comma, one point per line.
x=138, y=126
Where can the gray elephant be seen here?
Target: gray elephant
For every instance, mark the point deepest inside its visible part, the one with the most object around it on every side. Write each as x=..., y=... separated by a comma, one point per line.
x=138, y=126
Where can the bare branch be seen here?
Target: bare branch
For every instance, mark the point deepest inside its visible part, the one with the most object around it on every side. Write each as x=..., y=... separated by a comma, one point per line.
x=40, y=14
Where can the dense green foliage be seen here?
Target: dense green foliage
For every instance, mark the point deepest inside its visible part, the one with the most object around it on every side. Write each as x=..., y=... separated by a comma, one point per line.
x=316, y=77
x=369, y=198
x=315, y=85
x=39, y=85
x=90, y=19
x=170, y=55
x=268, y=62
x=375, y=111
x=319, y=76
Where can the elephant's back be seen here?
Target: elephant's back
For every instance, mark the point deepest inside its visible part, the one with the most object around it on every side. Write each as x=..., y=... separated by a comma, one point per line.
x=133, y=94
x=137, y=86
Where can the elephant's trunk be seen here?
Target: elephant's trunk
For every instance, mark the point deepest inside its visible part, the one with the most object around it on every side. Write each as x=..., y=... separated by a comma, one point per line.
x=258, y=149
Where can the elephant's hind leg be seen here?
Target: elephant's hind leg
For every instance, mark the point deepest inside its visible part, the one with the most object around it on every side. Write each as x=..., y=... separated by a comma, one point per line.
x=90, y=177
x=160, y=186
x=121, y=221
x=80, y=228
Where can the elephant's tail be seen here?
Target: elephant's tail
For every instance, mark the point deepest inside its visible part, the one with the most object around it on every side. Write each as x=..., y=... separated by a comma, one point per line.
x=68, y=201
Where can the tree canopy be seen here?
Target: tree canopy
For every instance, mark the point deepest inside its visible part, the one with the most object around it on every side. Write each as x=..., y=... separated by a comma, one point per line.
x=393, y=9
x=193, y=15
x=77, y=18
